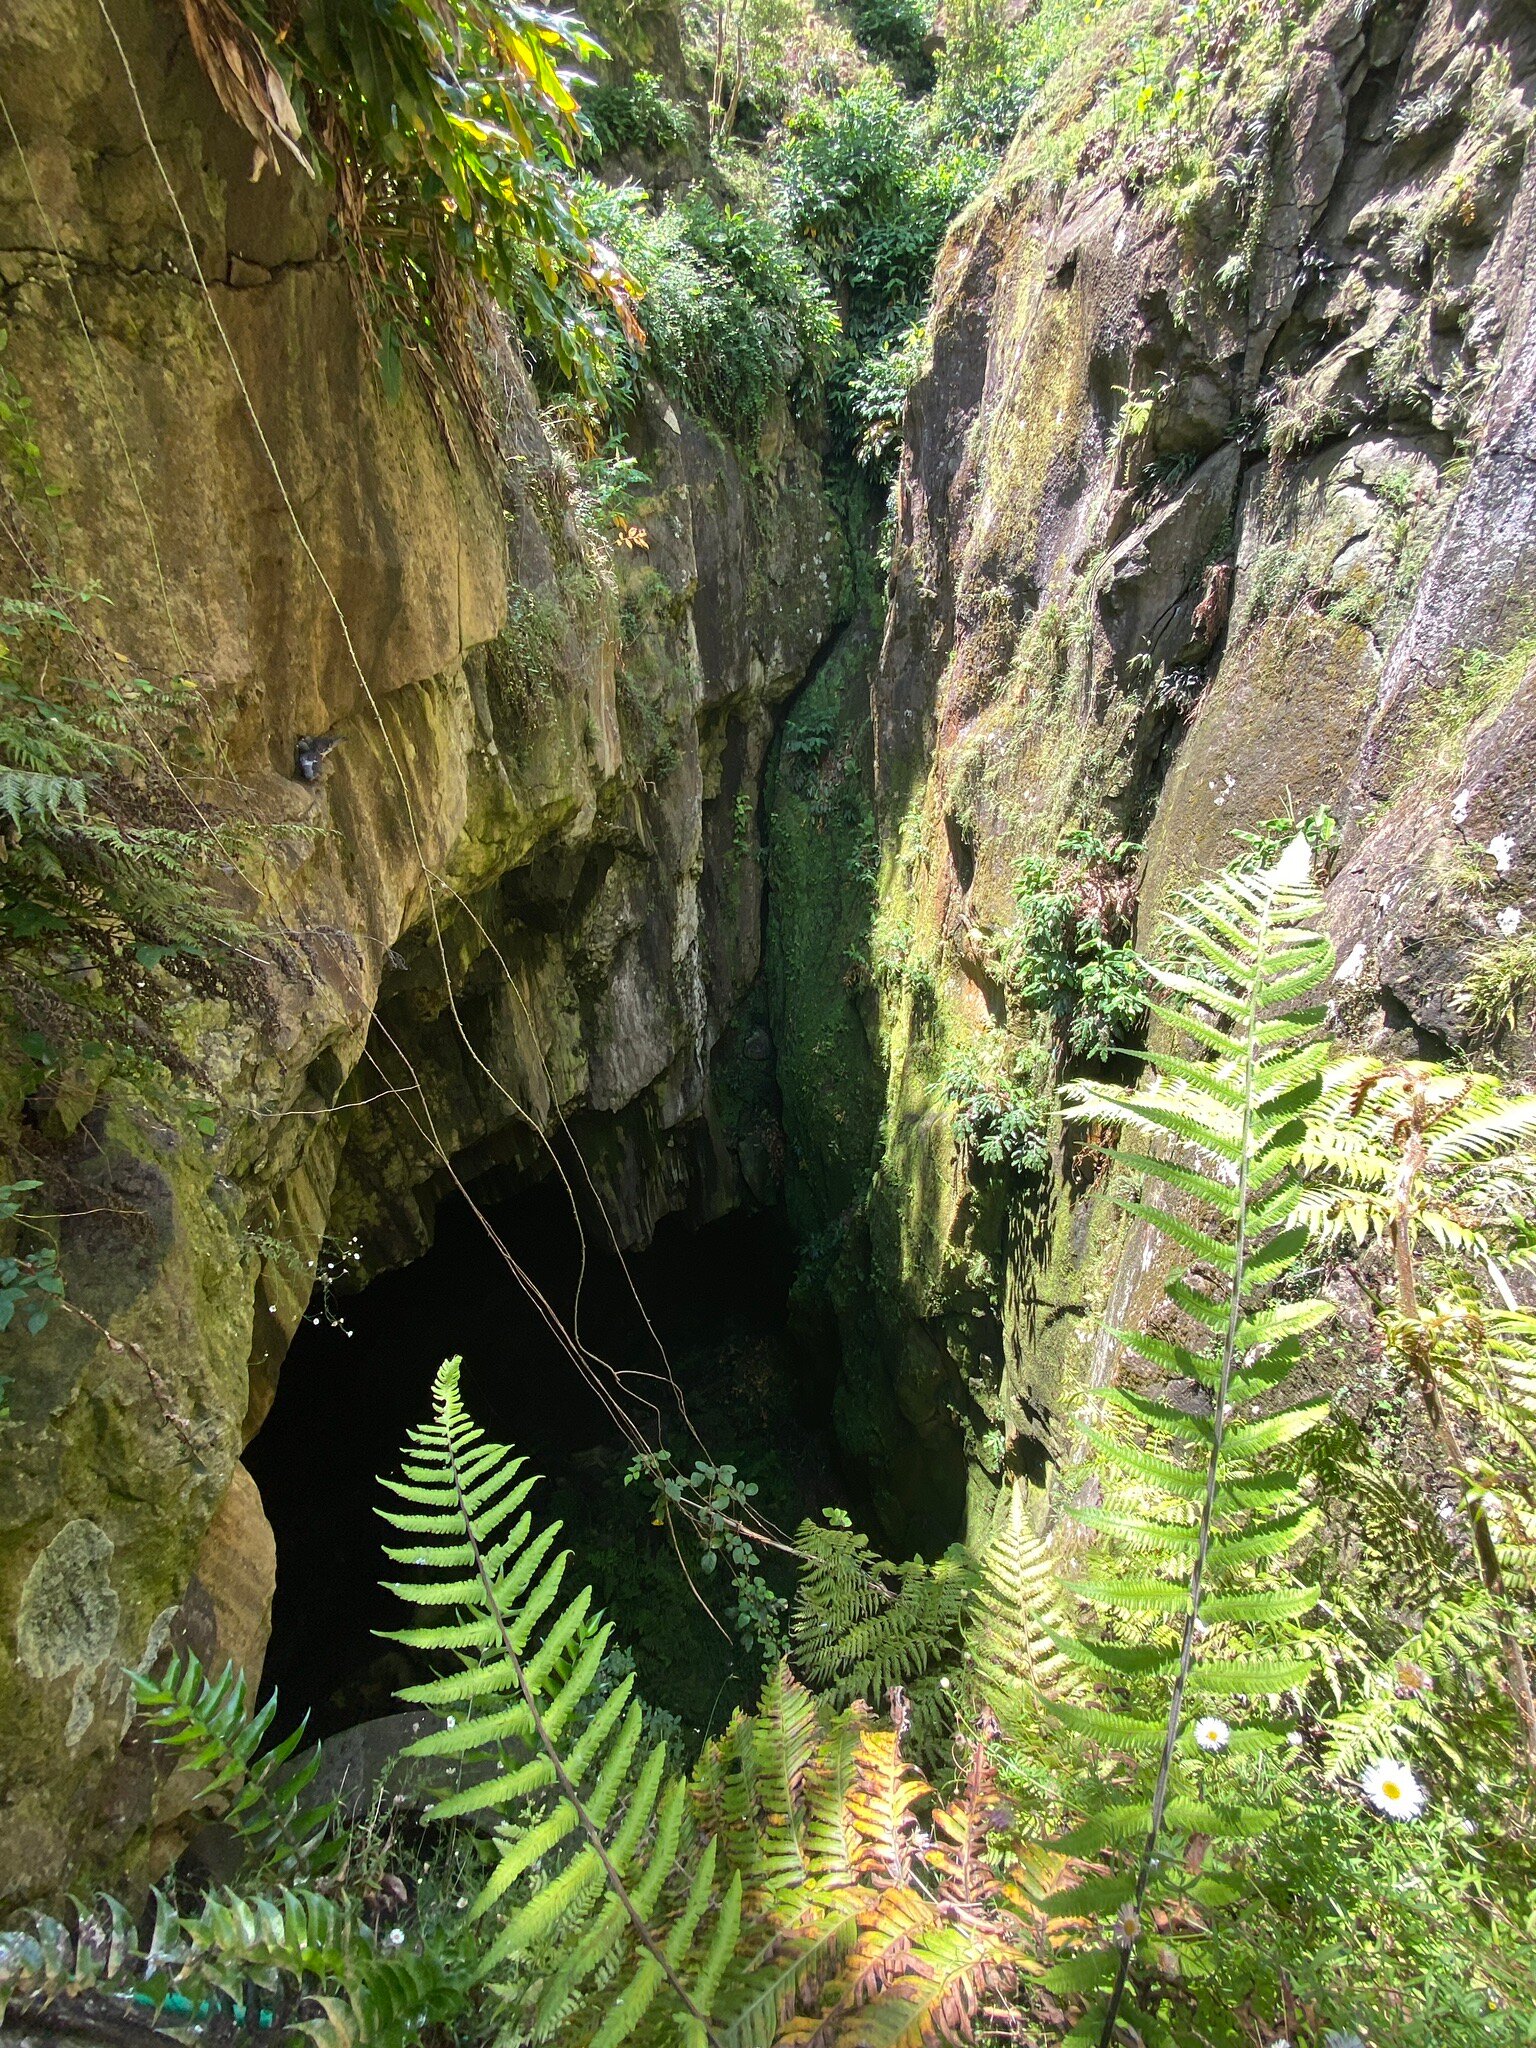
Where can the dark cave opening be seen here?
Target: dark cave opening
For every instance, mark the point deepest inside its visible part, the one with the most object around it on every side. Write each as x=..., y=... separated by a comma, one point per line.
x=758, y=1385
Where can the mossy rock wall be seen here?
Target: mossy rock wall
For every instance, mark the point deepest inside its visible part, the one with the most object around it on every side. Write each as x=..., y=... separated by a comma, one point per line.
x=1214, y=507
x=542, y=814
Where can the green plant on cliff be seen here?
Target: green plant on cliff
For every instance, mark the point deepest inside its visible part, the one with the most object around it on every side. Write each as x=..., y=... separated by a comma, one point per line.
x=112, y=875
x=735, y=317
x=1065, y=954
x=1500, y=991
x=448, y=136
x=1001, y=1103
x=637, y=113
x=113, y=872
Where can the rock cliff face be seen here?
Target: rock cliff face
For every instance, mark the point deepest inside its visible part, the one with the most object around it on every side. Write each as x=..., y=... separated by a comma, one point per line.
x=1214, y=507
x=526, y=884
x=1211, y=510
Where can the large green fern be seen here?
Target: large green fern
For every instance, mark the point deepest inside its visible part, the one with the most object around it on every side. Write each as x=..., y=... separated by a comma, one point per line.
x=602, y=1896
x=1197, y=1631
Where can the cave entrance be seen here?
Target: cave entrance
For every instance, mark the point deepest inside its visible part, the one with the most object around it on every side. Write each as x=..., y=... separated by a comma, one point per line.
x=758, y=1390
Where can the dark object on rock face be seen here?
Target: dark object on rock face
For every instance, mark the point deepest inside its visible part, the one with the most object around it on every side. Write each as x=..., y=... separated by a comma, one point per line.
x=309, y=754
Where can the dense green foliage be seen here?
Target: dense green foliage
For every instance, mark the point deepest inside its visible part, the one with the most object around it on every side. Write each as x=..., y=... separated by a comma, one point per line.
x=449, y=137
x=1002, y=1104
x=1067, y=956
x=734, y=317
x=1237, y=1747
x=636, y=114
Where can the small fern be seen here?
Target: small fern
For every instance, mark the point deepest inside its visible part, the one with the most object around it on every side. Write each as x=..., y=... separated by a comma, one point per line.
x=287, y=1965
x=1017, y=1620
x=207, y=1725
x=1199, y=1510
x=864, y=1625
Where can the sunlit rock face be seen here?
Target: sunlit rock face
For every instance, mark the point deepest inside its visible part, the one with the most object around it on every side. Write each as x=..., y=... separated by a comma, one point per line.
x=528, y=870
x=1201, y=521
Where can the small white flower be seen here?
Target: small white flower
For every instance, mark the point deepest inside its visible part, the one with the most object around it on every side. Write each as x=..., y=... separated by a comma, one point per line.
x=1200, y=1630
x=1509, y=921
x=1502, y=847
x=1392, y=1789
x=452, y=1722
x=1127, y=1925
x=395, y=1937
x=1461, y=806
x=1281, y=2041
x=1294, y=1738
x=1212, y=1735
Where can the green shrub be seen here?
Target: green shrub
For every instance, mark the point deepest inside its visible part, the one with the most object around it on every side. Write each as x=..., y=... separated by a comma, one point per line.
x=870, y=187
x=874, y=396
x=896, y=29
x=636, y=113
x=1002, y=1107
x=992, y=66
x=1065, y=956
x=734, y=318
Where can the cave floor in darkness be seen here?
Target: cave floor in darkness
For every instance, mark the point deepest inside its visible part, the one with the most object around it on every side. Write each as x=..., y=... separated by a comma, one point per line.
x=758, y=1396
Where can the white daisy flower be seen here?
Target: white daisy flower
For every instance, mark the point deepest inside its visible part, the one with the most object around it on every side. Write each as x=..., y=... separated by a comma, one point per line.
x=1127, y=1925
x=1212, y=1735
x=1392, y=1789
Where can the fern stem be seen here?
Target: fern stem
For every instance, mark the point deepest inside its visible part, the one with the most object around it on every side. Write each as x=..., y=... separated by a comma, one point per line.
x=1212, y=1476
x=563, y=1779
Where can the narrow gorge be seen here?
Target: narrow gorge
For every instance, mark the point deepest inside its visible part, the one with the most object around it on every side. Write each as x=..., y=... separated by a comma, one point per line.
x=676, y=853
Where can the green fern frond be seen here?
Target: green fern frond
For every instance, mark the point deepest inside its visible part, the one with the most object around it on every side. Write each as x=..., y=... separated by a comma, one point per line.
x=1197, y=1505
x=624, y=1917
x=207, y=1724
x=1016, y=1618
x=864, y=1625
x=241, y=1964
